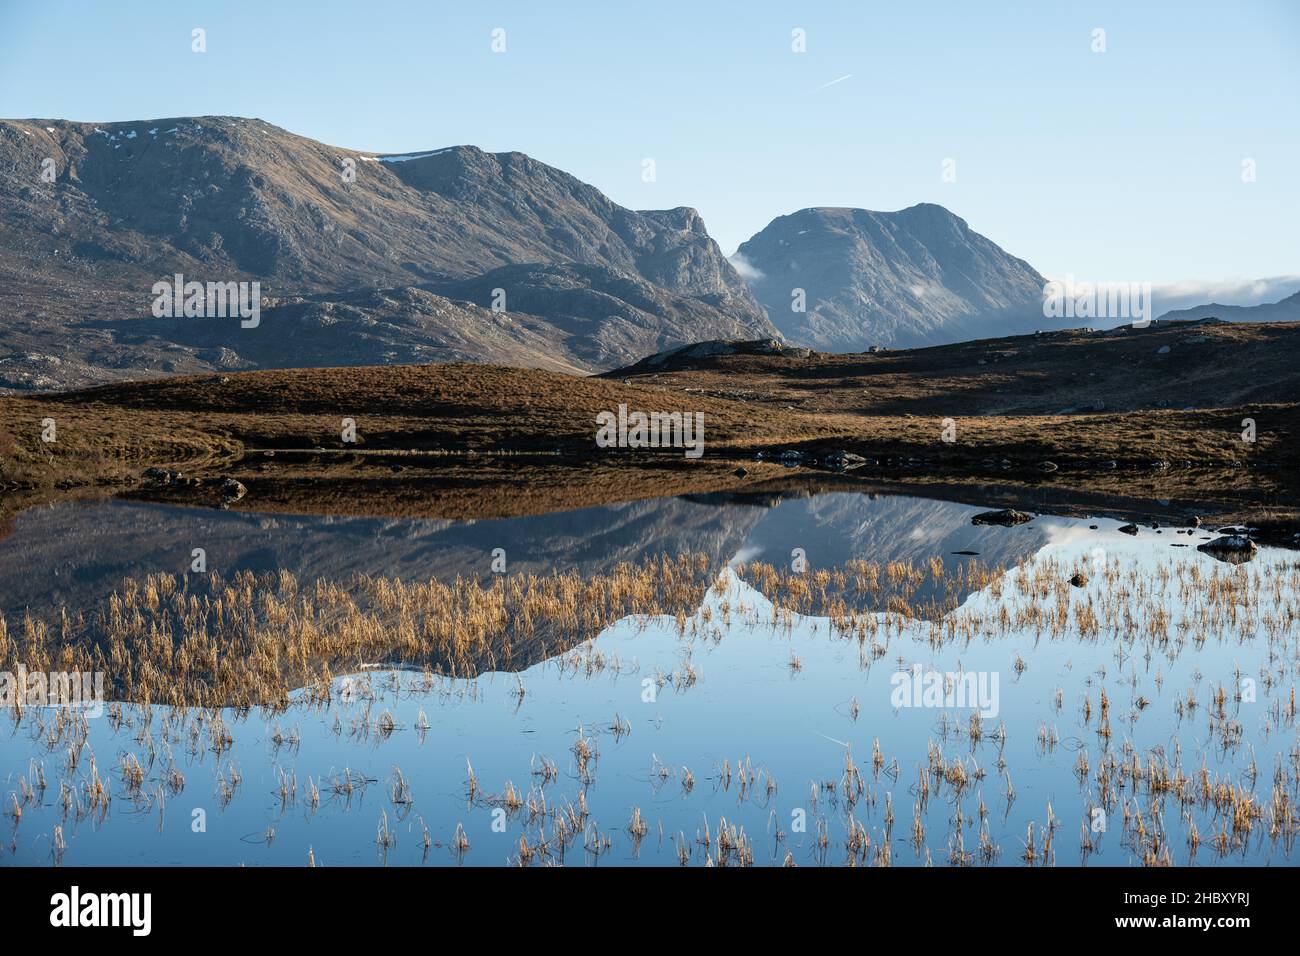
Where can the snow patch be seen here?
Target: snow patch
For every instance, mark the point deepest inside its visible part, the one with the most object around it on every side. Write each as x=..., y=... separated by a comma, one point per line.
x=403, y=157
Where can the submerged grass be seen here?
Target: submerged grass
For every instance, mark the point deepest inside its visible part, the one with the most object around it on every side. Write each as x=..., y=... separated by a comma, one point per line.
x=250, y=641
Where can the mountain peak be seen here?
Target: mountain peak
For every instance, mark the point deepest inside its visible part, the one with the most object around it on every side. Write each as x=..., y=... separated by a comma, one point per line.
x=930, y=212
x=918, y=276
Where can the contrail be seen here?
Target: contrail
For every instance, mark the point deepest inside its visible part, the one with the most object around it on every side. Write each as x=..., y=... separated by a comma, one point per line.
x=842, y=743
x=833, y=82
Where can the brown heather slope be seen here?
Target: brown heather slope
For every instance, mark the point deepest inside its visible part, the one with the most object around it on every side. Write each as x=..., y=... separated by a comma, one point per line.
x=468, y=440
x=427, y=414
x=1076, y=371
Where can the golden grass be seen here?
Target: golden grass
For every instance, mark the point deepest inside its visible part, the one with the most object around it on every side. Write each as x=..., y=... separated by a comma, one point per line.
x=251, y=641
x=462, y=431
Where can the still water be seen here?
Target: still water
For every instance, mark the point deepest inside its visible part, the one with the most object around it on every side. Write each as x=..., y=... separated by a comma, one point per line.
x=735, y=735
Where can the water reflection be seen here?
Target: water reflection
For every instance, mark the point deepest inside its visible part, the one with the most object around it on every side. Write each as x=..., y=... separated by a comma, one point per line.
x=75, y=553
x=740, y=734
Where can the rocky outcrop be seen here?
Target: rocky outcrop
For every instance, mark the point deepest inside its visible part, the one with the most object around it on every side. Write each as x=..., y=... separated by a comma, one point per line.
x=1232, y=548
x=1007, y=518
x=683, y=355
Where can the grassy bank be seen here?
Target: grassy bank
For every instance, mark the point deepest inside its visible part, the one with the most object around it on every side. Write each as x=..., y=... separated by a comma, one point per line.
x=450, y=439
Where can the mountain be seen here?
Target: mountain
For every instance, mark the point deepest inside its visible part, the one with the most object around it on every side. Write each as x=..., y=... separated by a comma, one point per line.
x=920, y=276
x=227, y=199
x=1287, y=310
x=595, y=318
x=602, y=315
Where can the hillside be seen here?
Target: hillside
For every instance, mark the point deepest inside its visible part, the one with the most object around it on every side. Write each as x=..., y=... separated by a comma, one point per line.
x=1069, y=372
x=462, y=440
x=226, y=199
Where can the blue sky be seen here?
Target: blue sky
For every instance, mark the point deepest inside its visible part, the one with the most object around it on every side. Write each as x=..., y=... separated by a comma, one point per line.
x=1117, y=166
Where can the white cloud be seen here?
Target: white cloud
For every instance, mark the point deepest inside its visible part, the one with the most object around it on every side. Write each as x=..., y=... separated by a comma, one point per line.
x=748, y=271
x=1193, y=292
x=1190, y=293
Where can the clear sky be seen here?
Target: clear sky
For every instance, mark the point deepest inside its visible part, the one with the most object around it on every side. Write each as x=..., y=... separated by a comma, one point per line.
x=1117, y=166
